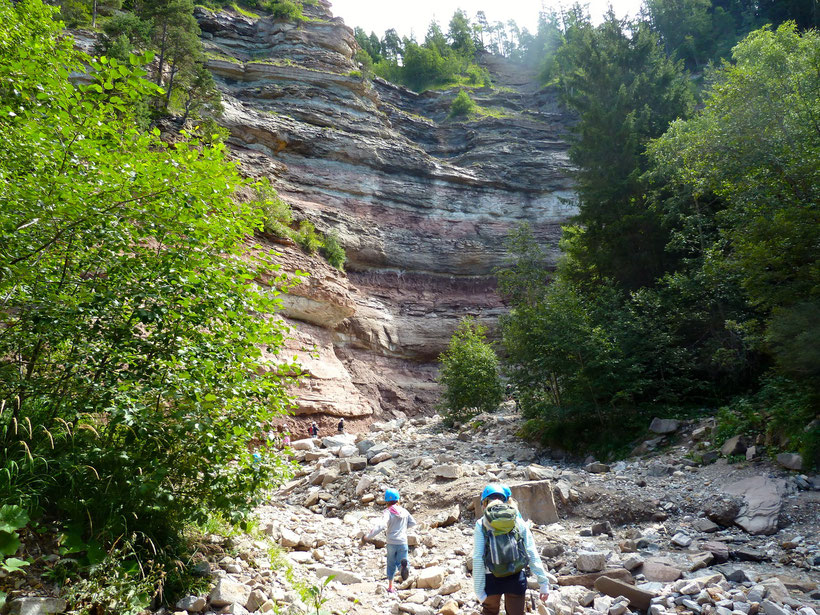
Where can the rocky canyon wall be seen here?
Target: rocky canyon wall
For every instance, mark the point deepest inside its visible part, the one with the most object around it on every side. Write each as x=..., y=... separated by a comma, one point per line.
x=421, y=203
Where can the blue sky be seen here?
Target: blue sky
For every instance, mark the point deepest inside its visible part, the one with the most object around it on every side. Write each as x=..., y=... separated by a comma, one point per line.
x=414, y=15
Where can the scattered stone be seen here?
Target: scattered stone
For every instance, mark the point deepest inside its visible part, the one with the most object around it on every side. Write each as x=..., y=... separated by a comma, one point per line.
x=255, y=600
x=709, y=457
x=701, y=560
x=228, y=592
x=738, y=575
x=602, y=527
x=752, y=453
x=723, y=511
x=718, y=550
x=705, y=525
x=632, y=562
x=537, y=472
x=664, y=426
x=748, y=555
x=772, y=608
x=450, y=608
x=447, y=518
x=590, y=561
x=596, y=468
x=289, y=538
x=431, y=578
x=192, y=604
x=342, y=576
x=303, y=445
x=681, y=540
x=450, y=471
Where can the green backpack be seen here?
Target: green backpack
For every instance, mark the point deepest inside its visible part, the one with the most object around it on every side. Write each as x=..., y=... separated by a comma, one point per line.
x=505, y=552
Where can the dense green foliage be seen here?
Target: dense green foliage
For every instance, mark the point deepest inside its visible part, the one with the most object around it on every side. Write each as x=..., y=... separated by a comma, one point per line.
x=692, y=277
x=134, y=368
x=469, y=374
x=441, y=60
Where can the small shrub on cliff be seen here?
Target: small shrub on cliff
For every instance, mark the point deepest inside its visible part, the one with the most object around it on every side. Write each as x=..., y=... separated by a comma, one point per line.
x=307, y=238
x=334, y=252
x=469, y=374
x=462, y=105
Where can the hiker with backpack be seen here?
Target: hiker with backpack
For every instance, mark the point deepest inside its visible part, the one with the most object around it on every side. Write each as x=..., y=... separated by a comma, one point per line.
x=503, y=548
x=395, y=521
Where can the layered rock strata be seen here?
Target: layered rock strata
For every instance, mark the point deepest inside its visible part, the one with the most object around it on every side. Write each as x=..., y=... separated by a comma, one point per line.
x=421, y=203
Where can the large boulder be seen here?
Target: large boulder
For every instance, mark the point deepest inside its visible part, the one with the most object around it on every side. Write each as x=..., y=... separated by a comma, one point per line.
x=762, y=500
x=792, y=461
x=734, y=446
x=655, y=570
x=664, y=426
x=535, y=501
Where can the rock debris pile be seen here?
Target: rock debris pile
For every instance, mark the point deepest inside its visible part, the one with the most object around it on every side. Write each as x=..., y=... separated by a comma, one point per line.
x=660, y=534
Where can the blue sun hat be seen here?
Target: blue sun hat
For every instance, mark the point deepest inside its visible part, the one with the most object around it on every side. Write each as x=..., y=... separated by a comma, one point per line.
x=391, y=495
x=495, y=489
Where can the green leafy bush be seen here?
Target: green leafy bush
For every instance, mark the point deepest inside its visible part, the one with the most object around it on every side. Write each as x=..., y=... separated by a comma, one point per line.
x=132, y=376
x=462, y=105
x=469, y=374
x=334, y=252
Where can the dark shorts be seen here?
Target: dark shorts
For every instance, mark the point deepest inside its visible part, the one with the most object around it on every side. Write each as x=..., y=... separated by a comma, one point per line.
x=513, y=584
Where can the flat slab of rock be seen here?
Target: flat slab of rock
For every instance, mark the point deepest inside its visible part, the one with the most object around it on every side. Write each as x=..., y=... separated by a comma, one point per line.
x=342, y=439
x=705, y=525
x=36, y=606
x=449, y=471
x=303, y=445
x=342, y=576
x=588, y=580
x=762, y=497
x=638, y=598
x=655, y=570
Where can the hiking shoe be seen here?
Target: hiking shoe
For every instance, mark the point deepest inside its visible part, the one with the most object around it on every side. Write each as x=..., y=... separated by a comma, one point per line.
x=391, y=590
x=404, y=570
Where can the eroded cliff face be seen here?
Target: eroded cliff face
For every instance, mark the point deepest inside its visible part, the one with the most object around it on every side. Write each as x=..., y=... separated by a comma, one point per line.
x=422, y=204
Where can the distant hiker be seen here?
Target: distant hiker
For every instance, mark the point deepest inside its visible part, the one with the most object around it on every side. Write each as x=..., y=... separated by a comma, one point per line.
x=395, y=522
x=341, y=426
x=286, y=439
x=313, y=430
x=503, y=547
x=512, y=393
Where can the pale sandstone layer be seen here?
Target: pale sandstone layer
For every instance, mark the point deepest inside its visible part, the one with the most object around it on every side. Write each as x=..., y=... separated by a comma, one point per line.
x=421, y=203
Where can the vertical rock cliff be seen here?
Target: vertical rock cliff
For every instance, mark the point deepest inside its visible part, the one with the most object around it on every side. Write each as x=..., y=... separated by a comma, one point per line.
x=421, y=203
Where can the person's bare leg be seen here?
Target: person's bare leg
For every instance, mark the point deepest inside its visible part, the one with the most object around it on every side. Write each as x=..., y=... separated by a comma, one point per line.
x=492, y=605
x=514, y=604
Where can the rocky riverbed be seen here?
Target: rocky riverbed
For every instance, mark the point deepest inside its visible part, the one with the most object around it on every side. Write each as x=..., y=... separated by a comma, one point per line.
x=658, y=533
